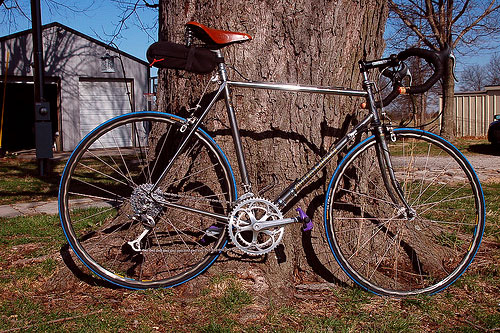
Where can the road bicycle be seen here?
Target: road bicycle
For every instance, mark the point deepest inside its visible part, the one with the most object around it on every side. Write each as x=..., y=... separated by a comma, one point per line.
x=149, y=199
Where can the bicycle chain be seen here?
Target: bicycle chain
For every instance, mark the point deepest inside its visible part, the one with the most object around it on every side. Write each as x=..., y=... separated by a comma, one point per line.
x=224, y=250
x=191, y=198
x=188, y=197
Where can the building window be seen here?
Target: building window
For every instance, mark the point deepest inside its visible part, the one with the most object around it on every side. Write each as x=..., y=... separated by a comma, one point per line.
x=107, y=63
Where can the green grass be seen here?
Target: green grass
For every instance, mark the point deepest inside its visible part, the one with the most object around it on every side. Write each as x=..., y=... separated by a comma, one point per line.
x=32, y=271
x=89, y=218
x=470, y=303
x=465, y=145
x=44, y=229
x=492, y=198
x=24, y=314
x=223, y=303
x=234, y=298
x=21, y=182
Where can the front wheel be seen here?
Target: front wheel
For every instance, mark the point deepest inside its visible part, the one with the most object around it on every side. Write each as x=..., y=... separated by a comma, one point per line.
x=125, y=223
x=384, y=247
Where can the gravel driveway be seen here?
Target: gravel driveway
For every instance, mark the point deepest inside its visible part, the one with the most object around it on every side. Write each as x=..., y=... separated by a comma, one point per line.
x=487, y=167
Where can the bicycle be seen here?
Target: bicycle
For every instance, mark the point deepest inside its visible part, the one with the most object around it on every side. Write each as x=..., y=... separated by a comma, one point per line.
x=148, y=199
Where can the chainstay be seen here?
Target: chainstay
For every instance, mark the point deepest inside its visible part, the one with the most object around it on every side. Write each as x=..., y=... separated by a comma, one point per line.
x=191, y=198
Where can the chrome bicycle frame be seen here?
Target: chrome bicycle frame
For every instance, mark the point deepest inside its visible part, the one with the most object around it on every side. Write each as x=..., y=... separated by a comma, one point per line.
x=293, y=189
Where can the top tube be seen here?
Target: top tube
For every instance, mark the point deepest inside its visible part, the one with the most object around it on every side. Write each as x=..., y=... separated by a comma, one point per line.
x=298, y=88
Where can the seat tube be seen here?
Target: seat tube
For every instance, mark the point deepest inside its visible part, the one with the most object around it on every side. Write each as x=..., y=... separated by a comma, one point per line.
x=235, y=132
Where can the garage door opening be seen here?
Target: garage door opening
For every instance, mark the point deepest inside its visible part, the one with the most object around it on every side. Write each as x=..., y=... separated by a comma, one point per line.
x=18, y=131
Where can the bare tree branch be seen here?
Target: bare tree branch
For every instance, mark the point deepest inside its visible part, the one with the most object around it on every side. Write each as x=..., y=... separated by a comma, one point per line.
x=409, y=23
x=473, y=78
x=22, y=11
x=130, y=14
x=493, y=70
x=487, y=12
x=151, y=5
x=475, y=23
x=462, y=11
x=123, y=21
x=429, y=9
x=416, y=5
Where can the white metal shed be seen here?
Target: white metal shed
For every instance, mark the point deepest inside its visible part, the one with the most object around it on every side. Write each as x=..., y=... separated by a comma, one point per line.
x=91, y=81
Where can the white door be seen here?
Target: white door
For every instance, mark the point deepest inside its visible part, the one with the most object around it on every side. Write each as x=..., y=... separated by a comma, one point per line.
x=101, y=101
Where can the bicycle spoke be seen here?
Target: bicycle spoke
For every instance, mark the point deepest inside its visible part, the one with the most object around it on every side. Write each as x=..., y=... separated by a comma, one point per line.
x=178, y=245
x=394, y=250
x=100, y=188
x=365, y=196
x=188, y=176
x=103, y=174
x=130, y=181
x=162, y=148
x=95, y=197
x=144, y=165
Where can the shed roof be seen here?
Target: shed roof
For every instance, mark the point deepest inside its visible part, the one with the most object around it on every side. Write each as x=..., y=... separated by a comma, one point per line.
x=73, y=31
x=476, y=93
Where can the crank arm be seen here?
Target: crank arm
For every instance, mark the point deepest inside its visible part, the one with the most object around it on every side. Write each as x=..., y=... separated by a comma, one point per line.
x=271, y=224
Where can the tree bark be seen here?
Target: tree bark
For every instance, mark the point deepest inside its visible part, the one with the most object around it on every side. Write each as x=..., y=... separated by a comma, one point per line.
x=303, y=41
x=448, y=123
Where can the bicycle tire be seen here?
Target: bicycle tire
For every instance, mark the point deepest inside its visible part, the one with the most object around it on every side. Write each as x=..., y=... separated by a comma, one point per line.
x=383, y=250
x=103, y=201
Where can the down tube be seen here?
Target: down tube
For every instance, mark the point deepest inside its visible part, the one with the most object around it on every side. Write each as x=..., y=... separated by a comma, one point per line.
x=293, y=189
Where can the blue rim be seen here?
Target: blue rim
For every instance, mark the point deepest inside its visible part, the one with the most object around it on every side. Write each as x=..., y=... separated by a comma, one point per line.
x=104, y=124
x=351, y=151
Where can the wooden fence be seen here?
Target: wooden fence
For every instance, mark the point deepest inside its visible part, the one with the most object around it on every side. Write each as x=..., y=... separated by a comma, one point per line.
x=475, y=110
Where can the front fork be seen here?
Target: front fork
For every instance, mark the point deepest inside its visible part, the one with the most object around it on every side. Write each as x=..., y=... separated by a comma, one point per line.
x=392, y=185
x=384, y=157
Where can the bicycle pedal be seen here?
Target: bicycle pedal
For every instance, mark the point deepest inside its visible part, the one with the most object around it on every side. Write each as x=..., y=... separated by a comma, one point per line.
x=306, y=221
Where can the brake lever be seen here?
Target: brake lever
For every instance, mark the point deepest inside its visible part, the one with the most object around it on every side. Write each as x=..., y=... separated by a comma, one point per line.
x=403, y=73
x=452, y=56
x=398, y=75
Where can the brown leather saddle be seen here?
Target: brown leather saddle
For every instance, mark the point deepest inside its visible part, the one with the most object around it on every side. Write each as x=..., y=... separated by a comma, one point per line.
x=216, y=37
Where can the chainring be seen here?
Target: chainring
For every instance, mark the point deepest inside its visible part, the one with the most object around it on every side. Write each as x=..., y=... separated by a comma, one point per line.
x=241, y=231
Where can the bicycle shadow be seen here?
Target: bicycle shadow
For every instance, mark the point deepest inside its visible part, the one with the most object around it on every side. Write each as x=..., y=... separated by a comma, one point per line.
x=312, y=252
x=485, y=149
x=84, y=274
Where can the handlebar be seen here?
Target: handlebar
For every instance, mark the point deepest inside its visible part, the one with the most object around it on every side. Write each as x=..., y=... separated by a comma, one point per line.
x=436, y=59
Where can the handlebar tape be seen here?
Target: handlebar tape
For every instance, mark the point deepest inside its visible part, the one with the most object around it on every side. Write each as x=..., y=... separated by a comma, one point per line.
x=436, y=59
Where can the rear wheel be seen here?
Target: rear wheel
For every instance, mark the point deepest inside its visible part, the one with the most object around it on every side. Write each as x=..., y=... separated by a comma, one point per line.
x=387, y=249
x=121, y=226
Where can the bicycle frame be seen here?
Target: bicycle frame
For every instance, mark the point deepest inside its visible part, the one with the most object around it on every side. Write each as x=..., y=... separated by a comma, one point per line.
x=294, y=188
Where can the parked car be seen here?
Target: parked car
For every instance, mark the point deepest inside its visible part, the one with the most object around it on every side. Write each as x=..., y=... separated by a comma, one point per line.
x=494, y=130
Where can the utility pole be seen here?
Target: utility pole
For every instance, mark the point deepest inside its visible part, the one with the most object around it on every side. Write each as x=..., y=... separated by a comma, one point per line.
x=43, y=125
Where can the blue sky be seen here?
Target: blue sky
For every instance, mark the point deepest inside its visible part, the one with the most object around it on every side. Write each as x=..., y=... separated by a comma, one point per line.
x=98, y=21
x=101, y=18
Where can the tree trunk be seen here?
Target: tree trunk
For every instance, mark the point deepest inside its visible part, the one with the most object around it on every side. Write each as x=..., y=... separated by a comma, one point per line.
x=448, y=119
x=303, y=41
